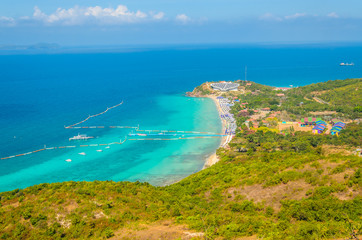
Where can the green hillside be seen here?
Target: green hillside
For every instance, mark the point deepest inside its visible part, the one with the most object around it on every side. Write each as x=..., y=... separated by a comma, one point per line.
x=267, y=185
x=342, y=96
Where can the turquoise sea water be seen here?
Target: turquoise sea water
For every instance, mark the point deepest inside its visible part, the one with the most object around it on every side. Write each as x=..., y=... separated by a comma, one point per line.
x=41, y=93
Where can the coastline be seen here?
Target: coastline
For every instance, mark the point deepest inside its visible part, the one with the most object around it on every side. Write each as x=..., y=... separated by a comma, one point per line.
x=213, y=158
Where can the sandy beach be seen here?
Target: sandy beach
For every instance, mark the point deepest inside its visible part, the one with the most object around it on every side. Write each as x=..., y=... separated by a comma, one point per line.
x=211, y=160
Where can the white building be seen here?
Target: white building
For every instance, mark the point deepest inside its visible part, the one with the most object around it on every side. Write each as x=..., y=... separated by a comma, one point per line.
x=225, y=86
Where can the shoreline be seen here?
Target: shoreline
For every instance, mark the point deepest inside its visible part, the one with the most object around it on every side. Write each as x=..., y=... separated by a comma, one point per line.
x=213, y=158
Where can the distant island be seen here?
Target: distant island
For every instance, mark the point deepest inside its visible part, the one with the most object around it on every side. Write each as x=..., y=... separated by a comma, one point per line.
x=38, y=46
x=290, y=169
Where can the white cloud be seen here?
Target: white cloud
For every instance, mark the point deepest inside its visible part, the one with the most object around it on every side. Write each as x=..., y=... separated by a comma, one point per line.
x=159, y=15
x=7, y=21
x=183, y=18
x=295, y=16
x=270, y=17
x=333, y=15
x=83, y=15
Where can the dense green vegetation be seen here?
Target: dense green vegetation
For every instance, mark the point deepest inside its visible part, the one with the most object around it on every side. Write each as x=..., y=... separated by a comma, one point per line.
x=211, y=201
x=342, y=96
x=267, y=184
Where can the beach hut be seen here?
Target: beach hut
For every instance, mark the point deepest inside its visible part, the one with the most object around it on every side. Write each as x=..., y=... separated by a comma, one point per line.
x=309, y=120
x=334, y=120
x=337, y=127
x=321, y=122
x=335, y=131
x=339, y=124
x=318, y=129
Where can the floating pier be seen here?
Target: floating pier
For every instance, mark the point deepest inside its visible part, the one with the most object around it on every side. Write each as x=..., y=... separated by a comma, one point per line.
x=93, y=127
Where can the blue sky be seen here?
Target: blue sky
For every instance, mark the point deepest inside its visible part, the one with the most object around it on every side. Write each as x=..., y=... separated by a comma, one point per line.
x=95, y=22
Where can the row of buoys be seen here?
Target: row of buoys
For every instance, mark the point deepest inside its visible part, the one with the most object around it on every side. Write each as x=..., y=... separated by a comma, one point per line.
x=169, y=131
x=62, y=147
x=176, y=134
x=92, y=127
x=166, y=139
x=23, y=154
x=95, y=115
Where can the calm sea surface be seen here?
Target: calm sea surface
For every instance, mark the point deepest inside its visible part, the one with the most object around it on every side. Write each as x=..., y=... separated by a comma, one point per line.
x=41, y=93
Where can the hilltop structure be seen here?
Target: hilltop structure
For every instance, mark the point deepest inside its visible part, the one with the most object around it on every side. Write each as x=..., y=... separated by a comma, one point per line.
x=225, y=86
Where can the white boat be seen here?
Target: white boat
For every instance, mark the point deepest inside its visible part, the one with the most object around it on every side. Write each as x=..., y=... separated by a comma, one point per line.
x=346, y=64
x=68, y=160
x=82, y=153
x=99, y=150
x=108, y=147
x=80, y=137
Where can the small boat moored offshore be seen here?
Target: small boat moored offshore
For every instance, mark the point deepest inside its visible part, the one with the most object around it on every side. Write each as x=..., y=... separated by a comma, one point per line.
x=82, y=153
x=80, y=137
x=346, y=64
x=68, y=160
x=99, y=150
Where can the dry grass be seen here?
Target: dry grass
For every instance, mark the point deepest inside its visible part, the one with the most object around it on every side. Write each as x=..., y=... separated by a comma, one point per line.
x=324, y=113
x=318, y=93
x=71, y=206
x=164, y=230
x=295, y=125
x=332, y=149
x=272, y=196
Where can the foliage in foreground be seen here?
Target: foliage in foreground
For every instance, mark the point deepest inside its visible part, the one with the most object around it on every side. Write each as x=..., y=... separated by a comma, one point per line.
x=210, y=201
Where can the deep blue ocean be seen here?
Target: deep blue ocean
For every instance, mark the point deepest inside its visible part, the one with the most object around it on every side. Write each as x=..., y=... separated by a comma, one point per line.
x=40, y=93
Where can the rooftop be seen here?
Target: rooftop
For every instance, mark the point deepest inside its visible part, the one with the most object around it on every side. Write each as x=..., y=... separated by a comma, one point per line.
x=225, y=86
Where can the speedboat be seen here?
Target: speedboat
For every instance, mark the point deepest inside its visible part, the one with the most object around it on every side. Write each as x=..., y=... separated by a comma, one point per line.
x=82, y=153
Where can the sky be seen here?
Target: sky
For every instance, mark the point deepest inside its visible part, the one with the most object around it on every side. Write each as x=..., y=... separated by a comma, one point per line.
x=114, y=22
